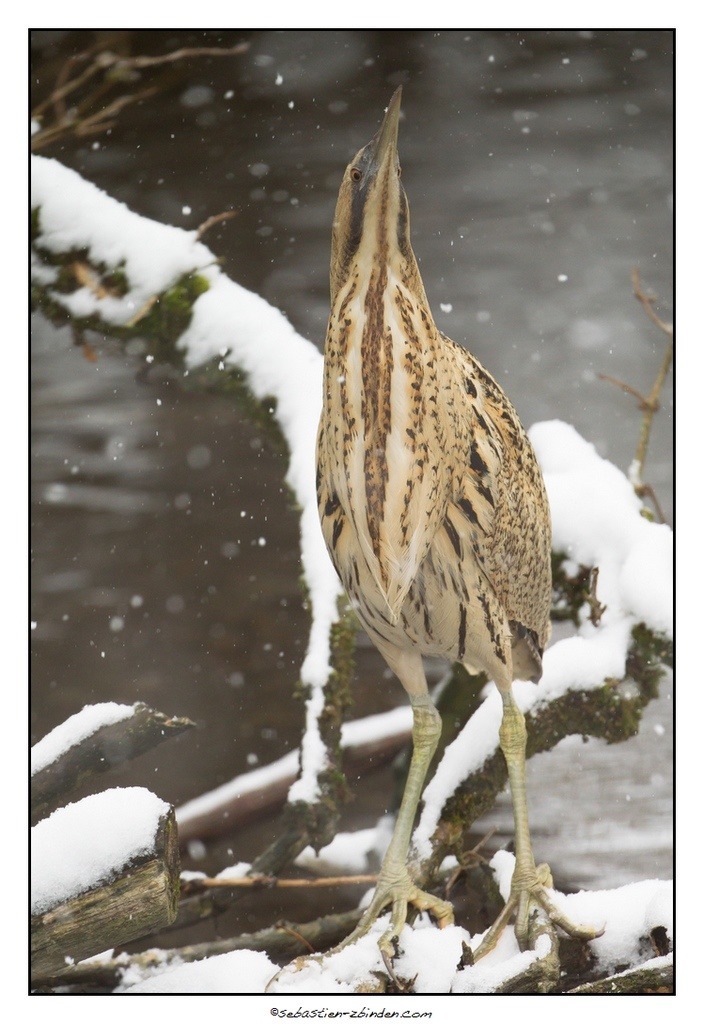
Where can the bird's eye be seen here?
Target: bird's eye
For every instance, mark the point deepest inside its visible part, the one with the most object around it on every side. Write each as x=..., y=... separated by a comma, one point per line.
x=356, y=174
x=399, y=172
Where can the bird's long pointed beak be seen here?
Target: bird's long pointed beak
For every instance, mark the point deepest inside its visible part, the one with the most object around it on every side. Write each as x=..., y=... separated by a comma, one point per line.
x=384, y=142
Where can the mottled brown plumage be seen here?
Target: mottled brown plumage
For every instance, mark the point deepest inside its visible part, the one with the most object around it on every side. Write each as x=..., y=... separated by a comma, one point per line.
x=431, y=500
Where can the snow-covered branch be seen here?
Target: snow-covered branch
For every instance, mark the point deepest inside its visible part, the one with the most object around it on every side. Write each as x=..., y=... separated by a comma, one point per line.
x=94, y=740
x=95, y=263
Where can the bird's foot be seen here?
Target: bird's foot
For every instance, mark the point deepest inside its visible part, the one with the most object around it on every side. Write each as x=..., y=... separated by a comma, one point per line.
x=397, y=889
x=529, y=892
x=394, y=889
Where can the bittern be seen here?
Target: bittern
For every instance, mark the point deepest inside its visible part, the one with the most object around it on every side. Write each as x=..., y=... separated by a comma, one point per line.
x=433, y=509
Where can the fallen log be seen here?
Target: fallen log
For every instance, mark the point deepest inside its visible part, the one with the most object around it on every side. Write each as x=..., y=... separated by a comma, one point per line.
x=133, y=899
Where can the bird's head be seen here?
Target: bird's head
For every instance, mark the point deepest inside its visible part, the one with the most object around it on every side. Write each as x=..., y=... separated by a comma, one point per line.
x=372, y=223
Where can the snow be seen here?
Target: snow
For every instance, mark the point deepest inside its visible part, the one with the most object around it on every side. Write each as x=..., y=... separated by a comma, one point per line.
x=280, y=364
x=596, y=521
x=91, y=841
x=427, y=954
x=497, y=967
x=348, y=853
x=431, y=955
x=258, y=338
x=75, y=729
x=238, y=870
x=241, y=971
x=626, y=914
x=77, y=215
x=259, y=778
x=341, y=972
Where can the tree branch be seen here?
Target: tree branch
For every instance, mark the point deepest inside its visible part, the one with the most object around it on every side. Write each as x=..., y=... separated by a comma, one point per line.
x=609, y=712
x=282, y=942
x=99, y=752
x=648, y=404
x=271, y=882
x=652, y=978
x=116, y=70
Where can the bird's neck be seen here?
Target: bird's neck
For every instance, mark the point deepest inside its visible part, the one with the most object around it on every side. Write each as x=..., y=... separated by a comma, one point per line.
x=383, y=418
x=381, y=340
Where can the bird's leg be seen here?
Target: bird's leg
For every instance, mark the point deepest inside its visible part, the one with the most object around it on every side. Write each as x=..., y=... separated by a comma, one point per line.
x=530, y=884
x=395, y=885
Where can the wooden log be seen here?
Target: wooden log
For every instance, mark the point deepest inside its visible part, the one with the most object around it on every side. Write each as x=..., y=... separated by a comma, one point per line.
x=102, y=750
x=142, y=899
x=656, y=977
x=282, y=942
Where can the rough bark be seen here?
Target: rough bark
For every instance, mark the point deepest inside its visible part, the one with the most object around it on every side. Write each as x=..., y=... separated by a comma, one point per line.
x=649, y=979
x=104, y=749
x=142, y=899
x=282, y=942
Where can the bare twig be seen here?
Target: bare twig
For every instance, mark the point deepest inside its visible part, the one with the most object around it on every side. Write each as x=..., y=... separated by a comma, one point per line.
x=63, y=88
x=652, y=402
x=215, y=219
x=648, y=404
x=646, y=491
x=647, y=300
x=143, y=311
x=297, y=935
x=639, y=397
x=270, y=882
x=96, y=122
x=106, y=60
x=596, y=608
x=183, y=54
x=115, y=70
x=472, y=856
x=58, y=97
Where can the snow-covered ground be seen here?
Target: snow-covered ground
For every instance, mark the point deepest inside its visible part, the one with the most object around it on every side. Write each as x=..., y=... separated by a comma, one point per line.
x=596, y=521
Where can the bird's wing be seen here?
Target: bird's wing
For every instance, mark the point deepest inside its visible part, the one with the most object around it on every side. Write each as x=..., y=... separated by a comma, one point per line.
x=501, y=506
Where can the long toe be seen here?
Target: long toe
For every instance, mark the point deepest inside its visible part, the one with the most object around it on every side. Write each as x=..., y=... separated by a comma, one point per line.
x=400, y=893
x=577, y=931
x=533, y=892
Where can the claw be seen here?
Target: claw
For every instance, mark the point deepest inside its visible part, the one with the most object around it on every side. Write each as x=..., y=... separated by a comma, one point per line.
x=389, y=965
x=399, y=892
x=526, y=897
